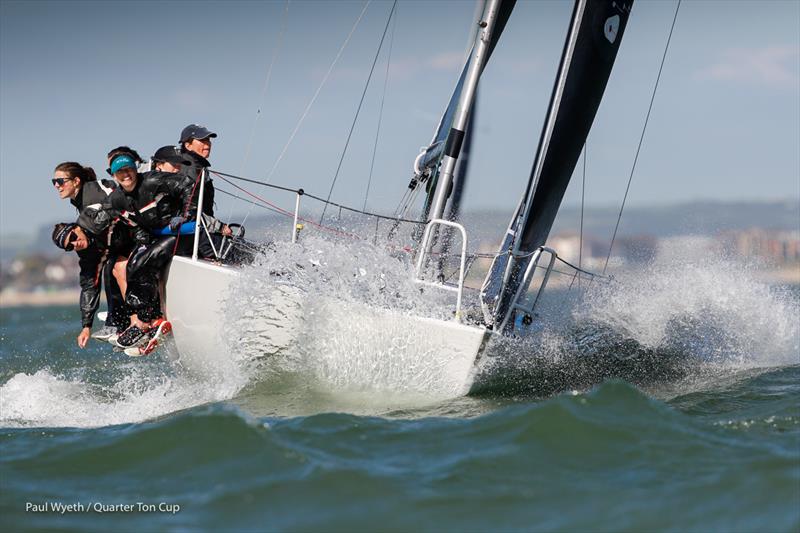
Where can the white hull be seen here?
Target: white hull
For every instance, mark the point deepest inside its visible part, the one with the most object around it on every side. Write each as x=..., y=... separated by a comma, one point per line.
x=388, y=341
x=195, y=294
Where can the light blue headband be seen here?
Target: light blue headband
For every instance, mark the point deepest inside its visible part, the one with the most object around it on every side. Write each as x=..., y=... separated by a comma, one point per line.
x=122, y=161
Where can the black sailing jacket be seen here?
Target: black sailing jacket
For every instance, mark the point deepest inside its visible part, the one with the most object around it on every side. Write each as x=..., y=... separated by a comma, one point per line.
x=157, y=198
x=93, y=195
x=193, y=170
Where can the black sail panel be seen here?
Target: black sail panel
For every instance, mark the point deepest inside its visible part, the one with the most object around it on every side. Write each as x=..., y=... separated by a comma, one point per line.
x=583, y=75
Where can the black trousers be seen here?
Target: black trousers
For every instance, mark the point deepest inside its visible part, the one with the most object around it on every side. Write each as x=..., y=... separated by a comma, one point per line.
x=118, y=312
x=144, y=270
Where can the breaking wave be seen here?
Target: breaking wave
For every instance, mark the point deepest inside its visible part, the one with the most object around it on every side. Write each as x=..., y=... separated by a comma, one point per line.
x=132, y=393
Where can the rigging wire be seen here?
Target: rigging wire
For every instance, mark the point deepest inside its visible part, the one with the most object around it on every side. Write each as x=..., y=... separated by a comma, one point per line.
x=267, y=78
x=641, y=138
x=583, y=199
x=358, y=110
x=380, y=113
x=224, y=175
x=261, y=202
x=286, y=212
x=319, y=89
x=580, y=238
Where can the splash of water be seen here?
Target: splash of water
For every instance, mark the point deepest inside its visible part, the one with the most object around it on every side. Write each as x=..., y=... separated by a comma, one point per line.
x=47, y=399
x=347, y=324
x=680, y=321
x=712, y=308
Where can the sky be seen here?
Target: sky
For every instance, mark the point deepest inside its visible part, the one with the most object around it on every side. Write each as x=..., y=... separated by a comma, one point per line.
x=79, y=78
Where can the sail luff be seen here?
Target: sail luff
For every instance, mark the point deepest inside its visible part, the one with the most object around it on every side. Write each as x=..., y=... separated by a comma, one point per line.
x=590, y=49
x=589, y=59
x=552, y=114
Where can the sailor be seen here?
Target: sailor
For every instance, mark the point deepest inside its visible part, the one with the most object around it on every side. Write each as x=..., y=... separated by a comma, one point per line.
x=148, y=201
x=125, y=150
x=169, y=159
x=101, y=261
x=195, y=145
x=92, y=255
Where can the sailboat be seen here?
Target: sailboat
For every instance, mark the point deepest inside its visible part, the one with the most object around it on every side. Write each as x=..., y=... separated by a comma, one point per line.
x=196, y=289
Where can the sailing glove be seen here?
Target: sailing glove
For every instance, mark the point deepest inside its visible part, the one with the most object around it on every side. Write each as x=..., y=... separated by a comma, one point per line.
x=175, y=223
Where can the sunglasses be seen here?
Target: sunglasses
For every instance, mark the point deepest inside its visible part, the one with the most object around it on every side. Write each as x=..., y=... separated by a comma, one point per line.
x=72, y=238
x=60, y=181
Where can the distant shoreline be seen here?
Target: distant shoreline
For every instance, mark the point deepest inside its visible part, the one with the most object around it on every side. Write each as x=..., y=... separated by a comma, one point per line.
x=789, y=275
x=14, y=298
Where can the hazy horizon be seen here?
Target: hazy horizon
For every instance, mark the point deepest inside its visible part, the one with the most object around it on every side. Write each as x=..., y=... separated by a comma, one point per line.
x=725, y=124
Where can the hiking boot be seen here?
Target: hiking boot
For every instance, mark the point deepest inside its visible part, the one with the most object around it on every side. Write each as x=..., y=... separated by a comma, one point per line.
x=131, y=337
x=104, y=333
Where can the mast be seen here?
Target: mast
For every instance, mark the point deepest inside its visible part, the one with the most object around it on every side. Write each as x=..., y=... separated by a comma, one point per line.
x=428, y=166
x=590, y=49
x=455, y=136
x=462, y=167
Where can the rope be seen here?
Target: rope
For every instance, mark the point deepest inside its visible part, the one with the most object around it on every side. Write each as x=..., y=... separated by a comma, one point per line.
x=316, y=94
x=358, y=111
x=641, y=138
x=380, y=113
x=223, y=175
x=290, y=214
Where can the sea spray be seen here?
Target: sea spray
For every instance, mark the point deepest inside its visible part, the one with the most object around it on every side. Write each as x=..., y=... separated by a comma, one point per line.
x=106, y=390
x=713, y=308
x=341, y=310
x=678, y=319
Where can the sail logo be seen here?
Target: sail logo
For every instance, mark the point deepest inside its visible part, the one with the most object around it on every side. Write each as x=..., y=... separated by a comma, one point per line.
x=611, y=28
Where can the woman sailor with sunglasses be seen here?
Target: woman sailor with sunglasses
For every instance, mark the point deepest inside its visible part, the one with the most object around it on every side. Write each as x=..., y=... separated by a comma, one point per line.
x=78, y=183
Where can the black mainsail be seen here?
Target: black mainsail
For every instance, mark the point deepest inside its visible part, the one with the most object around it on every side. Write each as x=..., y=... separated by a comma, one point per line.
x=589, y=52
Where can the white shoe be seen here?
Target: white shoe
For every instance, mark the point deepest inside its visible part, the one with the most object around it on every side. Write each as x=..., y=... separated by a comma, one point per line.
x=104, y=333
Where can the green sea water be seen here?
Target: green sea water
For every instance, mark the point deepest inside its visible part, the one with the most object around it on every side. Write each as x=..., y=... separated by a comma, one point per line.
x=702, y=443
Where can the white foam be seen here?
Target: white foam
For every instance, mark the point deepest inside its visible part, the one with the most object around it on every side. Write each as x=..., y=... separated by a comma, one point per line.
x=337, y=344
x=712, y=306
x=43, y=399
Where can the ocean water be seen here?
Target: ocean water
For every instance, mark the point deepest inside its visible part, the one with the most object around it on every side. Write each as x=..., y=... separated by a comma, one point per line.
x=669, y=401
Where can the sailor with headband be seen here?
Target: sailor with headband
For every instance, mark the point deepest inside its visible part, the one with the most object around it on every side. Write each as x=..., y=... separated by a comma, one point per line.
x=148, y=202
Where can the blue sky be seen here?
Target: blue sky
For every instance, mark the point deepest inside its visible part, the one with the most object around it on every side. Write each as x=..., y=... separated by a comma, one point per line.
x=78, y=78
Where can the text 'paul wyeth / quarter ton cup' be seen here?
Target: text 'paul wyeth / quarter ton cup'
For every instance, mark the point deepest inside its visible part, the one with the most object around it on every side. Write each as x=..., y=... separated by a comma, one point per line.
x=101, y=508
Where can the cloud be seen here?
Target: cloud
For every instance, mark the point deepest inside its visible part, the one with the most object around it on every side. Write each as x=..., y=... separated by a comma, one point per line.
x=192, y=98
x=400, y=68
x=446, y=61
x=773, y=66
